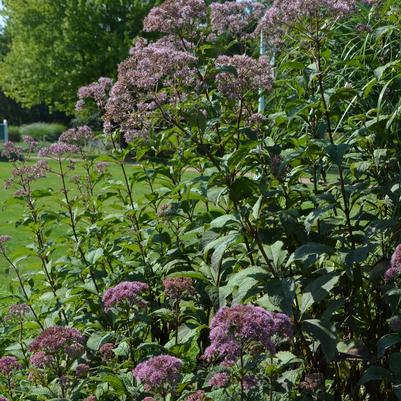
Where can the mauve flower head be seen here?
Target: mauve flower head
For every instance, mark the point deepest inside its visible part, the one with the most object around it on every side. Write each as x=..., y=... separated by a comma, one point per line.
x=41, y=360
x=149, y=399
x=395, y=323
x=90, y=398
x=219, y=380
x=98, y=91
x=18, y=311
x=238, y=328
x=285, y=14
x=235, y=17
x=101, y=167
x=394, y=269
x=151, y=63
x=8, y=364
x=175, y=16
x=24, y=175
x=2, y=398
x=159, y=373
x=249, y=75
x=12, y=151
x=106, y=351
x=82, y=370
x=57, y=339
x=3, y=240
x=312, y=381
x=77, y=135
x=58, y=150
x=32, y=143
x=127, y=291
x=197, y=396
x=177, y=288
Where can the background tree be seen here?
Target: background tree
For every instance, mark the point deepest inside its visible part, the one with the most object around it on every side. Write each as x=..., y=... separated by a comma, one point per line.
x=56, y=46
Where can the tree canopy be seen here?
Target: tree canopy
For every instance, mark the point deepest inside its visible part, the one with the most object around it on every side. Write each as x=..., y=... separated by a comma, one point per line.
x=56, y=46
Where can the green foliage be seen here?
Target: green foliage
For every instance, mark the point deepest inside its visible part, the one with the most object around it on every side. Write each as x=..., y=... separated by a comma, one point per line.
x=296, y=211
x=42, y=131
x=58, y=46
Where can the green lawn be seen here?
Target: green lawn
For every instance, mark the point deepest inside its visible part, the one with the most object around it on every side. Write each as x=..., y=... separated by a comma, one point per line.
x=12, y=212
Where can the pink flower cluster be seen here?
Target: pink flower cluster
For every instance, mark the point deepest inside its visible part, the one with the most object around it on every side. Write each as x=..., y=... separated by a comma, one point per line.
x=3, y=240
x=175, y=16
x=106, y=351
x=159, y=373
x=235, y=18
x=12, y=151
x=286, y=13
x=150, y=63
x=235, y=329
x=77, y=135
x=98, y=91
x=178, y=287
x=32, y=144
x=58, y=150
x=59, y=339
x=18, y=311
x=197, y=396
x=127, y=291
x=41, y=360
x=394, y=269
x=248, y=75
x=8, y=364
x=219, y=380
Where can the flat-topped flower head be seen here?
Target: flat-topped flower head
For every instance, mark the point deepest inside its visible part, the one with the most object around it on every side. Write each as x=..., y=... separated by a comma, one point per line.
x=8, y=364
x=58, y=150
x=90, y=398
x=235, y=17
x=197, y=396
x=3, y=240
x=159, y=373
x=175, y=16
x=97, y=91
x=2, y=398
x=284, y=14
x=58, y=339
x=394, y=268
x=219, y=380
x=106, y=351
x=77, y=135
x=12, y=151
x=248, y=75
x=130, y=292
x=241, y=328
x=177, y=288
x=41, y=360
x=32, y=143
x=18, y=311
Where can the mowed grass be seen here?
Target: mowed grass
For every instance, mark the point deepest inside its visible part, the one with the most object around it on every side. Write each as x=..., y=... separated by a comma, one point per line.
x=12, y=212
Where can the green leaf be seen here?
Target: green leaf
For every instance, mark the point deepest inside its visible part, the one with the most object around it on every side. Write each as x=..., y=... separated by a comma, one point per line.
x=337, y=152
x=324, y=335
x=387, y=341
x=93, y=256
x=116, y=382
x=224, y=221
x=395, y=364
x=310, y=253
x=123, y=349
x=374, y=373
x=318, y=289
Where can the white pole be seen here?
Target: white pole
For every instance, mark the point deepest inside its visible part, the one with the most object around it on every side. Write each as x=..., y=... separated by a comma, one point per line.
x=5, y=131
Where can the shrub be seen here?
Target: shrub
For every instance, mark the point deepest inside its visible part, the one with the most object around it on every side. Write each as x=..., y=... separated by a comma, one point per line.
x=262, y=262
x=48, y=132
x=14, y=134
